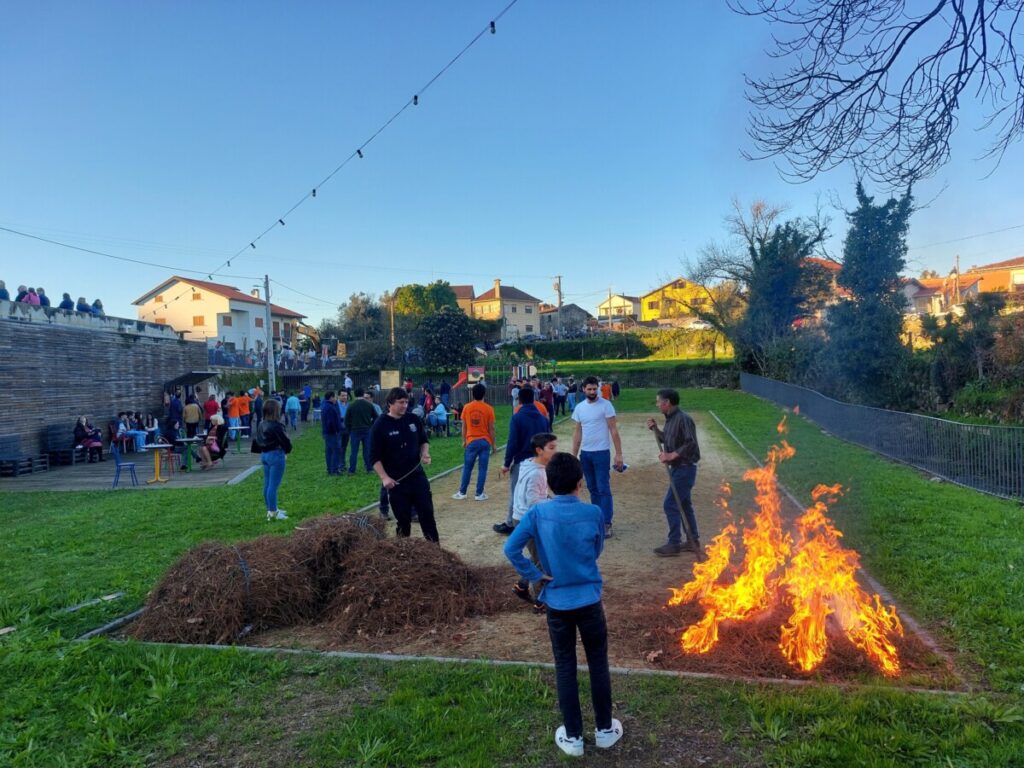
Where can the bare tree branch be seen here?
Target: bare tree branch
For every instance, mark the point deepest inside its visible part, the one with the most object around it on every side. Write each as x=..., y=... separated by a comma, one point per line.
x=879, y=83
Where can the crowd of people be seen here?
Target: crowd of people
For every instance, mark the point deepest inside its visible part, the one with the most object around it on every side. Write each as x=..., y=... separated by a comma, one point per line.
x=554, y=538
x=37, y=297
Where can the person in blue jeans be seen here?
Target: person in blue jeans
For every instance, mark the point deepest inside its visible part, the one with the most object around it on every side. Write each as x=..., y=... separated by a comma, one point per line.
x=478, y=442
x=271, y=442
x=680, y=452
x=331, y=426
x=569, y=537
x=359, y=417
x=596, y=432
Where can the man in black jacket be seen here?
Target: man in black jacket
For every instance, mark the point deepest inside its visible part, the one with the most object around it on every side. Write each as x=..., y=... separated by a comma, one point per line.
x=398, y=452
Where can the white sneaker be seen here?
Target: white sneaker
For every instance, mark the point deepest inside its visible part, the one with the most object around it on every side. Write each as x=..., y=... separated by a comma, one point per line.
x=573, y=747
x=458, y=495
x=608, y=737
x=281, y=515
x=481, y=497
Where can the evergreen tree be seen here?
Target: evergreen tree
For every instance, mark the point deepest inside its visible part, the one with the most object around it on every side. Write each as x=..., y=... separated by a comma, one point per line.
x=866, y=328
x=446, y=339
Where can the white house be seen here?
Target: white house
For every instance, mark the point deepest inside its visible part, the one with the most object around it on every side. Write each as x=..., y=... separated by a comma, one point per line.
x=214, y=312
x=619, y=307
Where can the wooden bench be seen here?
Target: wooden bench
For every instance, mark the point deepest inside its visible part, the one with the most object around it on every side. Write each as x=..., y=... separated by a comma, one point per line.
x=60, y=447
x=13, y=463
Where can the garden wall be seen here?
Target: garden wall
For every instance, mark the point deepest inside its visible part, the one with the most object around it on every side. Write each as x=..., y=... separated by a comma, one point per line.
x=56, y=366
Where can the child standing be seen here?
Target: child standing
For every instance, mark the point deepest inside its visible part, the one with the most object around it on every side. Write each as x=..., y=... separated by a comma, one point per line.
x=531, y=489
x=569, y=536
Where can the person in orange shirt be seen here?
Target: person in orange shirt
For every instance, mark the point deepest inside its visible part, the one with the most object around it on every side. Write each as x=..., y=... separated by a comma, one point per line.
x=234, y=419
x=478, y=440
x=244, y=401
x=538, y=404
x=606, y=390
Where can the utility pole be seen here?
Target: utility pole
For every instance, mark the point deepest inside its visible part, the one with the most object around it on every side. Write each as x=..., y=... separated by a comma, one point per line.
x=391, y=312
x=269, y=325
x=558, y=294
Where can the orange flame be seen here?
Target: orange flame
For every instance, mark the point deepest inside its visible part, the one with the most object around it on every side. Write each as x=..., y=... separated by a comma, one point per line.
x=818, y=581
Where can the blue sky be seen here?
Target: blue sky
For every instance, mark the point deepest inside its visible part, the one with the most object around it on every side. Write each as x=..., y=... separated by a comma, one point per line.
x=599, y=140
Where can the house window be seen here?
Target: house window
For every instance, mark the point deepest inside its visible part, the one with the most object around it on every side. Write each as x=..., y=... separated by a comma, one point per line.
x=226, y=320
x=159, y=298
x=198, y=320
x=698, y=302
x=528, y=309
x=197, y=296
x=259, y=322
x=277, y=329
x=160, y=320
x=529, y=329
x=515, y=308
x=653, y=305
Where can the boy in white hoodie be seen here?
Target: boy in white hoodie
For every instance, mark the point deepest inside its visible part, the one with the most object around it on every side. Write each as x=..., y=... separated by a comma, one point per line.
x=532, y=488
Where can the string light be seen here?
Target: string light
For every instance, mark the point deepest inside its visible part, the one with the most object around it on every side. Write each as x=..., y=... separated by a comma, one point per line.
x=415, y=100
x=359, y=152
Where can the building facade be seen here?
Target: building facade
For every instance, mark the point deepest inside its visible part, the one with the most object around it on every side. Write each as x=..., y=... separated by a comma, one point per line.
x=671, y=303
x=619, y=307
x=519, y=311
x=560, y=321
x=214, y=312
x=464, y=295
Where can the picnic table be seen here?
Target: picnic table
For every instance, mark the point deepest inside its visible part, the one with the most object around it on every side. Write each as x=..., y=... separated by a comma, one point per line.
x=156, y=448
x=188, y=442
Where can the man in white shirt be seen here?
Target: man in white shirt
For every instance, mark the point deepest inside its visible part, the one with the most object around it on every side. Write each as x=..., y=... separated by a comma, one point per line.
x=596, y=433
x=348, y=383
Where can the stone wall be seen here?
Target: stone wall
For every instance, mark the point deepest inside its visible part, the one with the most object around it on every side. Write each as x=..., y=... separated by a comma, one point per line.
x=56, y=366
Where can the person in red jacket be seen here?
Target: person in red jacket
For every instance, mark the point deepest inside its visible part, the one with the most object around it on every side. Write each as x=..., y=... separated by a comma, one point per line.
x=210, y=407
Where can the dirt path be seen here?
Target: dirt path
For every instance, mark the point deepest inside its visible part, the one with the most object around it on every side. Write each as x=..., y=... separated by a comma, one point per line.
x=633, y=574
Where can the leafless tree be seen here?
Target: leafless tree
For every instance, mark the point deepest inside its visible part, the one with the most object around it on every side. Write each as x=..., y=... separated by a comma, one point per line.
x=879, y=83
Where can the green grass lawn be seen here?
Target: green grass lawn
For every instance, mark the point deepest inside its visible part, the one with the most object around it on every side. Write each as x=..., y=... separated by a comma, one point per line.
x=950, y=556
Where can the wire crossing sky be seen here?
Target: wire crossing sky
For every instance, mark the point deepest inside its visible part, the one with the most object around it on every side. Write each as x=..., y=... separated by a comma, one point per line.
x=601, y=141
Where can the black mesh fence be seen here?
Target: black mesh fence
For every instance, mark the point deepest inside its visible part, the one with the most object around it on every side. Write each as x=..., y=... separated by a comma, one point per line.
x=986, y=458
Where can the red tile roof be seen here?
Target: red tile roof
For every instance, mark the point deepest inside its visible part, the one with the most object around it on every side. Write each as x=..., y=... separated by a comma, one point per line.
x=1008, y=264
x=227, y=291
x=508, y=293
x=828, y=264
x=463, y=291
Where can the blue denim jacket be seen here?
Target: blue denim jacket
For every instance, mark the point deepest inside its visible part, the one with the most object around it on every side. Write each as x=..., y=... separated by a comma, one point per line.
x=569, y=535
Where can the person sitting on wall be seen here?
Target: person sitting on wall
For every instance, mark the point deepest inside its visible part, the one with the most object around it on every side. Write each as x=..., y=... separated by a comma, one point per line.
x=83, y=306
x=97, y=309
x=66, y=303
x=5, y=295
x=90, y=438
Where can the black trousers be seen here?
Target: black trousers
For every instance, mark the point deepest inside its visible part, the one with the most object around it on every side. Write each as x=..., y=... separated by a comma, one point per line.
x=562, y=627
x=414, y=493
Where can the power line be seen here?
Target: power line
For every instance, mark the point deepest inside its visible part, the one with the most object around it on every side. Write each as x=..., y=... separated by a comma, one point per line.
x=110, y=255
x=967, y=237
x=414, y=100
x=293, y=290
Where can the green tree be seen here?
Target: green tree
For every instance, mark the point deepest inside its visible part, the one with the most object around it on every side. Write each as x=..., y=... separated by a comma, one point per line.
x=964, y=344
x=762, y=282
x=446, y=339
x=419, y=301
x=361, y=318
x=866, y=328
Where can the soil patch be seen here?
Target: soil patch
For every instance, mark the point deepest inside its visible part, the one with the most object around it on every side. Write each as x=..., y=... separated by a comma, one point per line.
x=349, y=590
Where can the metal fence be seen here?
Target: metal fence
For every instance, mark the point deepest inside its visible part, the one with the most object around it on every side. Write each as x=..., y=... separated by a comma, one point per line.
x=986, y=458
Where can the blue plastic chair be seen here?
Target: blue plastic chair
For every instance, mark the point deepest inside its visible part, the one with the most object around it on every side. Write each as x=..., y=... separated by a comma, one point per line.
x=119, y=465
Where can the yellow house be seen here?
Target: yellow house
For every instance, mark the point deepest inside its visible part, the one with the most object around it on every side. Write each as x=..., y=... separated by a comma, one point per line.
x=672, y=301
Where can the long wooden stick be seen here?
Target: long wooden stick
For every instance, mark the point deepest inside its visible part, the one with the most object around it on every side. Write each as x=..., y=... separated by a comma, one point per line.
x=690, y=535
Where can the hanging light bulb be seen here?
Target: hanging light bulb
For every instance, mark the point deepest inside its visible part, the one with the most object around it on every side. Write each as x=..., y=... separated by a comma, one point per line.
x=415, y=100
x=359, y=152
x=493, y=28
x=314, y=191
x=229, y=262
x=281, y=222
x=253, y=246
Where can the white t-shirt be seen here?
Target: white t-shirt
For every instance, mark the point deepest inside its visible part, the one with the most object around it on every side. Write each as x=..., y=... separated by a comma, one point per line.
x=593, y=417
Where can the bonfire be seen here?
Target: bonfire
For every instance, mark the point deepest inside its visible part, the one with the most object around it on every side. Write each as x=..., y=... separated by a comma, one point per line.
x=807, y=571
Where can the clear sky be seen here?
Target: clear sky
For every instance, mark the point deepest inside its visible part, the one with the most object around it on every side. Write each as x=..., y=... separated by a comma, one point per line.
x=596, y=140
